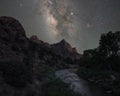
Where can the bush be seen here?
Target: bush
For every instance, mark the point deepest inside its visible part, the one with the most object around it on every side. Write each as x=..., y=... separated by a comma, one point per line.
x=15, y=73
x=57, y=88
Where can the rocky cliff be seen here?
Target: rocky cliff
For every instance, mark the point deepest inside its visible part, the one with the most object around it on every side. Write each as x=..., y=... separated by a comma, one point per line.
x=25, y=63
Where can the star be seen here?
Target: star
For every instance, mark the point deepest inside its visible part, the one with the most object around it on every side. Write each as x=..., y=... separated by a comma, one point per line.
x=72, y=13
x=21, y=5
x=88, y=25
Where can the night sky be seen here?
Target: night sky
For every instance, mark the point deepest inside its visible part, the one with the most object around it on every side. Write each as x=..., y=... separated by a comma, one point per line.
x=80, y=22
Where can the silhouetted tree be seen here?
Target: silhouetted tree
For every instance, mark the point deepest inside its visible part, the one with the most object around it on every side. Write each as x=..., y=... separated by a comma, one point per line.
x=109, y=49
x=110, y=44
x=107, y=55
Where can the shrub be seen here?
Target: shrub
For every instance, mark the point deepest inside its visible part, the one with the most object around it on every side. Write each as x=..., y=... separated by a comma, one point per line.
x=15, y=73
x=57, y=88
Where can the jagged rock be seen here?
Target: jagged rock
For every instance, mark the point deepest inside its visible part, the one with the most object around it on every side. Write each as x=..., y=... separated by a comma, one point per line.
x=35, y=39
x=64, y=49
x=20, y=56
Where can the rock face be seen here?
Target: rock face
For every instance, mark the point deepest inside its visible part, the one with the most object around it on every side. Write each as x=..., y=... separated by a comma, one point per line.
x=10, y=28
x=64, y=49
x=13, y=48
x=25, y=61
x=13, y=41
x=35, y=39
x=12, y=31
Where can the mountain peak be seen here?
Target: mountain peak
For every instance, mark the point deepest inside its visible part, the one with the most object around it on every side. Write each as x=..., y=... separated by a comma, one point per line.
x=65, y=49
x=35, y=39
x=62, y=41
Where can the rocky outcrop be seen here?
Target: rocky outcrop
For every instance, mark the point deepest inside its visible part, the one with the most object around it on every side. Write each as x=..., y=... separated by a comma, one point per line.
x=13, y=41
x=64, y=49
x=35, y=39
x=10, y=28
x=23, y=61
x=13, y=51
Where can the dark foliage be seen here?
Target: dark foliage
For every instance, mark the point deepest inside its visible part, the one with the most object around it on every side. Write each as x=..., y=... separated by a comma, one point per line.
x=15, y=73
x=102, y=65
x=57, y=88
x=107, y=55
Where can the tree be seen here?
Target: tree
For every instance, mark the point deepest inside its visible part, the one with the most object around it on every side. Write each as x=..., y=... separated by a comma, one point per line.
x=109, y=49
x=110, y=44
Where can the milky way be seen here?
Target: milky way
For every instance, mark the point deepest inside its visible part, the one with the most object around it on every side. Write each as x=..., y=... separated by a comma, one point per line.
x=59, y=17
x=80, y=22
